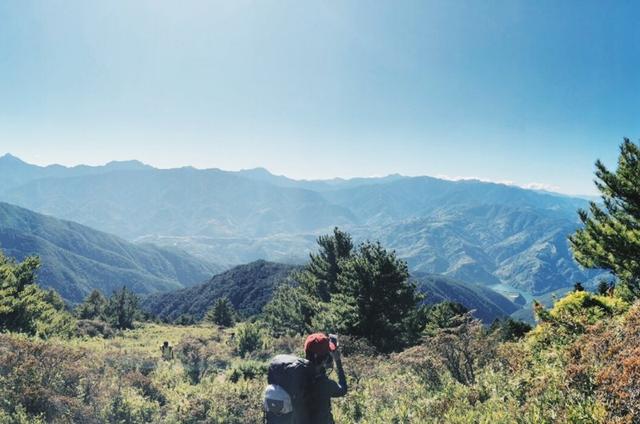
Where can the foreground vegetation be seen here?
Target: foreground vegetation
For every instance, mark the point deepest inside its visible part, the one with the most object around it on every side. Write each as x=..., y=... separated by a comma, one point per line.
x=580, y=365
x=406, y=362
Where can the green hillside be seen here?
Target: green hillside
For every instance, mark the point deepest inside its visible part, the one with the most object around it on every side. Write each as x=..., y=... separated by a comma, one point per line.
x=249, y=287
x=76, y=259
x=526, y=248
x=486, y=303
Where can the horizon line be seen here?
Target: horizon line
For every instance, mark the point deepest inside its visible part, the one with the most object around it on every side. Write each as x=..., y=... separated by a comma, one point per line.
x=532, y=186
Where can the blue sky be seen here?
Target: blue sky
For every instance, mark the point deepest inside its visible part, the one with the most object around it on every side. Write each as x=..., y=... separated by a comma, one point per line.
x=525, y=92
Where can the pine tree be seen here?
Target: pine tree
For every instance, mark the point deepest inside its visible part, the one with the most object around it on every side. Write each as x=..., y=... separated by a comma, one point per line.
x=122, y=309
x=93, y=307
x=320, y=276
x=387, y=303
x=25, y=307
x=363, y=292
x=290, y=311
x=222, y=313
x=610, y=238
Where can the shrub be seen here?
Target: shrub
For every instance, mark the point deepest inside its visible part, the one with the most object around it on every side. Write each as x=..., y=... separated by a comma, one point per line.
x=248, y=338
x=126, y=362
x=196, y=357
x=46, y=379
x=605, y=362
x=247, y=370
x=127, y=407
x=463, y=347
x=581, y=308
x=145, y=385
x=420, y=361
x=93, y=328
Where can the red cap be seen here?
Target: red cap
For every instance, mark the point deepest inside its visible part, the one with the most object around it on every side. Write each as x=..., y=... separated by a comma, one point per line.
x=319, y=344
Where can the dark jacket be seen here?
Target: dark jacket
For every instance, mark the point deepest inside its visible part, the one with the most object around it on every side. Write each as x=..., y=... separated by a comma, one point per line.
x=321, y=392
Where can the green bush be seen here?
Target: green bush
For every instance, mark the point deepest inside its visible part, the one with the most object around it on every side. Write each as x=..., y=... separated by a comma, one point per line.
x=93, y=328
x=247, y=370
x=248, y=338
x=194, y=355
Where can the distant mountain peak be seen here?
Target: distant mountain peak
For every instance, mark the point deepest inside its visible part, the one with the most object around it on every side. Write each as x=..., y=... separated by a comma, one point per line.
x=127, y=164
x=259, y=170
x=9, y=158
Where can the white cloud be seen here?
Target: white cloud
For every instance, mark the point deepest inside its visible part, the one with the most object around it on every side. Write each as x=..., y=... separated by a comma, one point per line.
x=541, y=186
x=528, y=186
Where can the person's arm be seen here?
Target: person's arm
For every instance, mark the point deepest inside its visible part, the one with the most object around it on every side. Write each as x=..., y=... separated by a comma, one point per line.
x=339, y=389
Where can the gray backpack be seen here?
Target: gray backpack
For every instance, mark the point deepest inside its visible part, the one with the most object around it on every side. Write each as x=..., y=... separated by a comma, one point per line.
x=284, y=398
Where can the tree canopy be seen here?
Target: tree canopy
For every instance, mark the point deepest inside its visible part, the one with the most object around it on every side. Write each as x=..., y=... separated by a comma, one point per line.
x=610, y=238
x=25, y=307
x=221, y=313
x=122, y=309
x=93, y=307
x=363, y=292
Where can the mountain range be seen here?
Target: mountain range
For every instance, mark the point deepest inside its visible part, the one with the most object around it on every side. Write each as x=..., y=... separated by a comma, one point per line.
x=76, y=259
x=477, y=232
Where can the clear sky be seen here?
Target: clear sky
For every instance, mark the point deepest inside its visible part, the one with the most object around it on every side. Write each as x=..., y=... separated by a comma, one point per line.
x=528, y=92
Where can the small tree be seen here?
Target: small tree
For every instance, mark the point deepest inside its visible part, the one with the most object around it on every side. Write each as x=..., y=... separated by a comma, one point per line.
x=441, y=315
x=248, y=338
x=195, y=357
x=320, y=276
x=364, y=292
x=25, y=307
x=463, y=347
x=610, y=238
x=508, y=329
x=290, y=311
x=222, y=313
x=93, y=307
x=185, y=319
x=387, y=303
x=122, y=309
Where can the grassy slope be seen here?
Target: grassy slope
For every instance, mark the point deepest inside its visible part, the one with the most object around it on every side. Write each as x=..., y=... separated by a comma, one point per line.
x=524, y=384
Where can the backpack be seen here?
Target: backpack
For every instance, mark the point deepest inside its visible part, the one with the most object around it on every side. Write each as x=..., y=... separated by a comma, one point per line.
x=284, y=398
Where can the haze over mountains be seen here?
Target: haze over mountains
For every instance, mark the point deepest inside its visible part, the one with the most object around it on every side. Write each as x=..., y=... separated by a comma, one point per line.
x=76, y=259
x=472, y=231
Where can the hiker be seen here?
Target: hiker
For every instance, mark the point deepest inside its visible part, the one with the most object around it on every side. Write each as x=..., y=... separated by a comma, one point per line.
x=321, y=352
x=299, y=390
x=167, y=351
